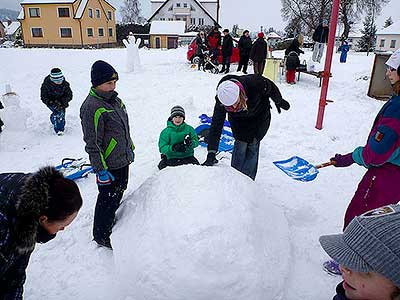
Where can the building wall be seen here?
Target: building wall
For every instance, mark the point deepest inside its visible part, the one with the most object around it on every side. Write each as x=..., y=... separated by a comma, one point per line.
x=155, y=6
x=183, y=13
x=163, y=39
x=96, y=23
x=211, y=8
x=387, y=38
x=51, y=24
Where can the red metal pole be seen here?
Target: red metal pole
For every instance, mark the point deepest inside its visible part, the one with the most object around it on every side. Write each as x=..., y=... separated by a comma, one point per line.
x=328, y=63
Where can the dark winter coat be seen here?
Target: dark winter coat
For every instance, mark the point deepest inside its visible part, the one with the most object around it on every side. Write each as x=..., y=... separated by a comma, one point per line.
x=174, y=135
x=252, y=123
x=227, y=46
x=244, y=46
x=214, y=39
x=22, y=198
x=292, y=61
x=340, y=293
x=106, y=133
x=58, y=95
x=321, y=34
x=259, y=50
x=294, y=46
x=202, y=45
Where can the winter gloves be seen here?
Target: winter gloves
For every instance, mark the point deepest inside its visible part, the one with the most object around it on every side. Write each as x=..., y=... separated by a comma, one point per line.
x=183, y=146
x=282, y=104
x=343, y=160
x=211, y=160
x=104, y=177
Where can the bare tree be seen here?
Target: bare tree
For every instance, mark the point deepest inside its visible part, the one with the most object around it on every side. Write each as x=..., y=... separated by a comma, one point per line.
x=130, y=11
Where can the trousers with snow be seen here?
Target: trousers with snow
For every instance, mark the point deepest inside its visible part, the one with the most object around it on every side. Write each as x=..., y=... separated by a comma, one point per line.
x=107, y=204
x=318, y=51
x=377, y=188
x=174, y=162
x=245, y=157
x=57, y=118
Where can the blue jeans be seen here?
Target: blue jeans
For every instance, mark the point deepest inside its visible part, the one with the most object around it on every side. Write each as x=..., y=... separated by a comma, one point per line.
x=245, y=157
x=57, y=118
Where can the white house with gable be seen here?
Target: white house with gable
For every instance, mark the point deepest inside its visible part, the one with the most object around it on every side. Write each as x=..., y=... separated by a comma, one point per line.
x=388, y=39
x=193, y=12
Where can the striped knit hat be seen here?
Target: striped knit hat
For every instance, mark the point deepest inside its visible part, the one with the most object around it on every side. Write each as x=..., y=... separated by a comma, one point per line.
x=177, y=111
x=56, y=76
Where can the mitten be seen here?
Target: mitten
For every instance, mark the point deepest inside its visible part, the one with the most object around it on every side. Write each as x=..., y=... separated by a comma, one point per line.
x=343, y=160
x=211, y=160
x=188, y=141
x=104, y=177
x=179, y=147
x=282, y=104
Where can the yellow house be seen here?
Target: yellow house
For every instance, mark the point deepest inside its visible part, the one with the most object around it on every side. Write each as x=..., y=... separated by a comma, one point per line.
x=68, y=23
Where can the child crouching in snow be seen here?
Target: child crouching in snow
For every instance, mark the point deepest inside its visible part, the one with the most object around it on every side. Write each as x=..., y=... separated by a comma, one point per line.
x=177, y=141
x=368, y=253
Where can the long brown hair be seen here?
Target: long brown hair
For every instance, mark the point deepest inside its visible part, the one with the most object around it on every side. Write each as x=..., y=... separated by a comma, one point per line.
x=242, y=100
x=396, y=87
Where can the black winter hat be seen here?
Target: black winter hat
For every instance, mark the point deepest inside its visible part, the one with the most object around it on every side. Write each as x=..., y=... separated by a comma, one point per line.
x=102, y=72
x=177, y=111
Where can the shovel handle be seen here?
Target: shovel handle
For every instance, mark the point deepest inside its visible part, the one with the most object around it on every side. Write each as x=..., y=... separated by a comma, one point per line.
x=327, y=164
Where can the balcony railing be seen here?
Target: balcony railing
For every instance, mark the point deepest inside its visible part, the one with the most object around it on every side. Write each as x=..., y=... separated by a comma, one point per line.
x=181, y=10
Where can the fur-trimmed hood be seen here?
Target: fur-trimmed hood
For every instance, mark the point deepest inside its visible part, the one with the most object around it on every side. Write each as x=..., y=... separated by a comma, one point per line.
x=32, y=200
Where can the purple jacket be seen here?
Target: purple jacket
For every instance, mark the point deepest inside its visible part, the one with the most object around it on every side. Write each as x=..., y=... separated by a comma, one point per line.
x=383, y=145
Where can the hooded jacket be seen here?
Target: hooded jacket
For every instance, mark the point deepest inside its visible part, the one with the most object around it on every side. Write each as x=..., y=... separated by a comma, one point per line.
x=176, y=134
x=58, y=95
x=106, y=133
x=22, y=199
x=252, y=123
x=259, y=50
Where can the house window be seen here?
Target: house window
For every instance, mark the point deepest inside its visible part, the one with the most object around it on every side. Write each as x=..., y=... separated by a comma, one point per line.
x=162, y=19
x=170, y=19
x=101, y=31
x=178, y=19
x=201, y=21
x=110, y=31
x=382, y=43
x=171, y=8
x=63, y=12
x=89, y=32
x=192, y=21
x=109, y=15
x=66, y=32
x=192, y=8
x=178, y=5
x=185, y=5
x=90, y=11
x=37, y=32
x=34, y=12
x=97, y=13
x=393, y=44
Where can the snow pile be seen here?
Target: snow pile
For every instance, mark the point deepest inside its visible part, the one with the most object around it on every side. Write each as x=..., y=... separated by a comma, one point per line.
x=13, y=116
x=200, y=233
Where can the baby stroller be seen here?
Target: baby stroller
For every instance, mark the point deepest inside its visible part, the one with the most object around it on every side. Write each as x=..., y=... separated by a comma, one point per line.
x=210, y=62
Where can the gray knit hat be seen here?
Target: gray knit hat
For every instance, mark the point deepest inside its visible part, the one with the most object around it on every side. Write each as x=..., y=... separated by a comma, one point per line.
x=370, y=243
x=177, y=111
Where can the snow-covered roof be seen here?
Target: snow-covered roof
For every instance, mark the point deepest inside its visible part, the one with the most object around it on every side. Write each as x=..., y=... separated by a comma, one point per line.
x=46, y=1
x=12, y=28
x=190, y=33
x=21, y=15
x=81, y=9
x=392, y=29
x=273, y=35
x=167, y=27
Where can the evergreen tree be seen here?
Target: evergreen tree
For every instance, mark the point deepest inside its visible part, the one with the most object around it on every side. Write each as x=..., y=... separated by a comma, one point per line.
x=130, y=12
x=388, y=22
x=368, y=40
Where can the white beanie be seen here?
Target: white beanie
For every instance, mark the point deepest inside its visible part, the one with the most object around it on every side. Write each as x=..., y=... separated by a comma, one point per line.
x=228, y=93
x=394, y=60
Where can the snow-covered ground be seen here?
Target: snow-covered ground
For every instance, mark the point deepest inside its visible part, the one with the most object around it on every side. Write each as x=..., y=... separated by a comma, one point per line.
x=73, y=267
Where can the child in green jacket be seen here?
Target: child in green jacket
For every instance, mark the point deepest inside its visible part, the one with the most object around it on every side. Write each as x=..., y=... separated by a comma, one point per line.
x=177, y=141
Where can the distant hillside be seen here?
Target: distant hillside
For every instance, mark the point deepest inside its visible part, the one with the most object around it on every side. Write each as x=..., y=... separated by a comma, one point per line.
x=8, y=14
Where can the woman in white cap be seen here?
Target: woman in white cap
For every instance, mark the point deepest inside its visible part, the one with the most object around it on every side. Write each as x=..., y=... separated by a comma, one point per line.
x=380, y=156
x=246, y=100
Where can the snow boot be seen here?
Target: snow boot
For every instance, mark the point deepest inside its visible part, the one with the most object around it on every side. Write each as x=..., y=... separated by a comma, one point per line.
x=332, y=268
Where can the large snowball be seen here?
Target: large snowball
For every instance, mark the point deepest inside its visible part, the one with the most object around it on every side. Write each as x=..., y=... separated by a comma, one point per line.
x=200, y=233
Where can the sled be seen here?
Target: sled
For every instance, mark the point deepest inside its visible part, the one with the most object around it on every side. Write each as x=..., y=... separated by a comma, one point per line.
x=204, y=119
x=300, y=169
x=226, y=142
x=74, y=169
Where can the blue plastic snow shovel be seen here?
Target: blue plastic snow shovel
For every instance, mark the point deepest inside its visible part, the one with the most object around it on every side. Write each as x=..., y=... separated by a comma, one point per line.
x=300, y=169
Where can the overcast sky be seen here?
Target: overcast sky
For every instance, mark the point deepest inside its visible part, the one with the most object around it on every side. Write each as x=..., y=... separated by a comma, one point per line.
x=249, y=14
